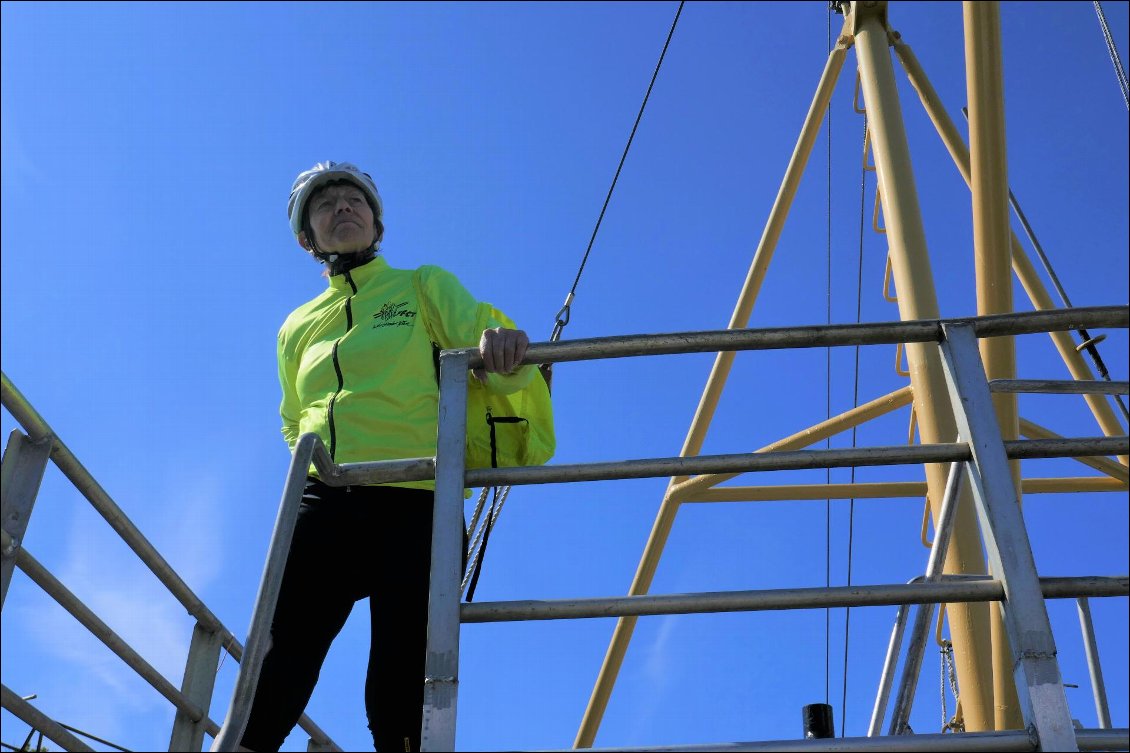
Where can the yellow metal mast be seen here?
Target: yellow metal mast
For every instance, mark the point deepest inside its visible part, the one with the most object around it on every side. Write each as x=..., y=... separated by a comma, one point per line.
x=981, y=650
x=989, y=186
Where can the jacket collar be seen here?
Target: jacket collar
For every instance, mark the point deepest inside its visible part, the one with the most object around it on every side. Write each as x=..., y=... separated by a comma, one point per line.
x=361, y=275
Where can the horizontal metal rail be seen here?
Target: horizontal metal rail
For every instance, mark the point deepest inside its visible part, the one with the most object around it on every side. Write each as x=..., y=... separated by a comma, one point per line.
x=817, y=336
x=1031, y=430
x=37, y=428
x=375, y=471
x=387, y=471
x=785, y=461
x=1060, y=386
x=990, y=742
x=36, y=719
x=948, y=589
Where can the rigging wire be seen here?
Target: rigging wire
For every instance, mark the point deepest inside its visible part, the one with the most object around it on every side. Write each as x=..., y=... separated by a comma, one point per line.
x=1119, y=71
x=563, y=315
x=854, y=429
x=480, y=537
x=828, y=405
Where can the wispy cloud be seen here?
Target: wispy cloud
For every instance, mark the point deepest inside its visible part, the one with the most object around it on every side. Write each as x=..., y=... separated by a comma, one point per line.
x=100, y=569
x=658, y=666
x=20, y=169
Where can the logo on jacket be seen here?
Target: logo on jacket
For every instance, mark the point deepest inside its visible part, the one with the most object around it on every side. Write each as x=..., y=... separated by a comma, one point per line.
x=394, y=315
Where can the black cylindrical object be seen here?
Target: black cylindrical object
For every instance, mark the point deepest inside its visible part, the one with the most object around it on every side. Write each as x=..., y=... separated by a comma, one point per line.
x=818, y=721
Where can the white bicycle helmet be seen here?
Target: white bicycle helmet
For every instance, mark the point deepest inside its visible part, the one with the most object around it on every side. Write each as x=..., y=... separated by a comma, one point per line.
x=328, y=172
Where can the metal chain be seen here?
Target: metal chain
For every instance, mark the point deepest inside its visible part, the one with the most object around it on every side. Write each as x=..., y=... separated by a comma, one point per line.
x=1119, y=71
x=942, y=685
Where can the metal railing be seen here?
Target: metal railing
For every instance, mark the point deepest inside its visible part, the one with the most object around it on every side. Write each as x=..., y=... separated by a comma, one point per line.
x=25, y=461
x=980, y=453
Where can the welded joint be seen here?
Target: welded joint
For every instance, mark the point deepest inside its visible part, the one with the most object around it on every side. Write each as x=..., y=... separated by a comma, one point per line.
x=451, y=680
x=11, y=546
x=861, y=10
x=1024, y=656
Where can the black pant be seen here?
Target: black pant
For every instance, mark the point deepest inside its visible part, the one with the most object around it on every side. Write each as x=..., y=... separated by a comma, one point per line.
x=350, y=543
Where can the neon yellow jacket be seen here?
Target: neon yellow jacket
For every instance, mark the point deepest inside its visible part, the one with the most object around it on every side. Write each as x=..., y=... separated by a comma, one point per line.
x=356, y=363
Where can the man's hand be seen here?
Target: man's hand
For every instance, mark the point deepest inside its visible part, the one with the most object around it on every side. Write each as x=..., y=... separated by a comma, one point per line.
x=502, y=351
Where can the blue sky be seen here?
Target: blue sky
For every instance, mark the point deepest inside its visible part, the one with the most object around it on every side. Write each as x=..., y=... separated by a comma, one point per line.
x=147, y=154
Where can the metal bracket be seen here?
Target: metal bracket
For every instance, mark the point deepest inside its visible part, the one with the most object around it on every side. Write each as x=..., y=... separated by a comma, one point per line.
x=21, y=475
x=1039, y=683
x=860, y=10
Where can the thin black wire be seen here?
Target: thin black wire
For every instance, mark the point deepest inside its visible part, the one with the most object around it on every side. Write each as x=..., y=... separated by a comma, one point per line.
x=854, y=430
x=828, y=411
x=565, y=310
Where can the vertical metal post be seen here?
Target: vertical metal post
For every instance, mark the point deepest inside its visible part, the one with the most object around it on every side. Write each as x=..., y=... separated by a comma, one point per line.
x=1098, y=687
x=913, y=663
x=20, y=477
x=910, y=264
x=1036, y=670
x=199, y=682
x=712, y=393
x=259, y=634
x=993, y=265
x=441, y=673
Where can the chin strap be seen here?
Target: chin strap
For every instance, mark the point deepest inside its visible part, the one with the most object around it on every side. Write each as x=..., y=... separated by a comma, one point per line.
x=342, y=263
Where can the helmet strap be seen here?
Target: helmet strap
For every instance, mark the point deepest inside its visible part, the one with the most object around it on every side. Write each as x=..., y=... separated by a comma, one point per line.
x=341, y=263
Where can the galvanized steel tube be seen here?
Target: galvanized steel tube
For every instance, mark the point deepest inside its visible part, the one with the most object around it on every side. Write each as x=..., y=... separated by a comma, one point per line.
x=1059, y=386
x=1098, y=687
x=780, y=461
x=921, y=330
x=968, y=588
x=259, y=633
x=441, y=672
x=1109, y=467
x=944, y=530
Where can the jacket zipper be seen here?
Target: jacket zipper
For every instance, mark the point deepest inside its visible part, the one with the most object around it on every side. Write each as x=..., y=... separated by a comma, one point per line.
x=337, y=367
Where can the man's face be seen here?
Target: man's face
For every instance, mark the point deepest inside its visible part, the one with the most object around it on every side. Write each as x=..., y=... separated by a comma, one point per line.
x=341, y=219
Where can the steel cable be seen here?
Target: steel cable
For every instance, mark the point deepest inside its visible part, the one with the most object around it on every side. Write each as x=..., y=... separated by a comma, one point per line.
x=562, y=318
x=1119, y=71
x=564, y=314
